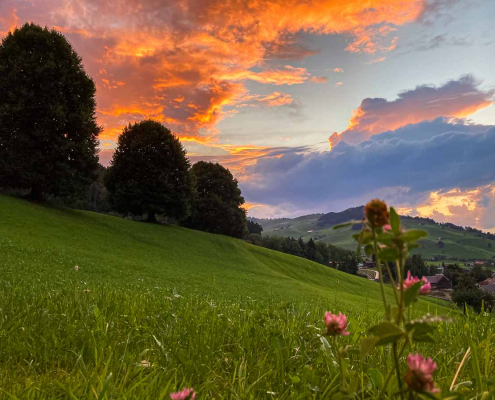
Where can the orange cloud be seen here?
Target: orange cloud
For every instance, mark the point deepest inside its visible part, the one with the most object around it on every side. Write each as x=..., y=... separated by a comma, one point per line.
x=457, y=98
x=276, y=99
x=339, y=70
x=474, y=207
x=8, y=22
x=203, y=51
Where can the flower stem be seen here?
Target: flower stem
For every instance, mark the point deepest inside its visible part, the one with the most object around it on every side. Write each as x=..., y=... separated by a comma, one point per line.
x=380, y=271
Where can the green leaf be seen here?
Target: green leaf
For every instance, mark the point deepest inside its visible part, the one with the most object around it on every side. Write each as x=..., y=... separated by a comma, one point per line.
x=376, y=377
x=369, y=250
x=394, y=221
x=389, y=254
x=411, y=294
x=388, y=332
x=340, y=226
x=421, y=331
x=367, y=345
x=295, y=379
x=413, y=235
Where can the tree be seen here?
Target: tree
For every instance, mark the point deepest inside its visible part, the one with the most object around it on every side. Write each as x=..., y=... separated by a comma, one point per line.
x=416, y=265
x=254, y=227
x=311, y=250
x=149, y=173
x=217, y=201
x=467, y=292
x=48, y=130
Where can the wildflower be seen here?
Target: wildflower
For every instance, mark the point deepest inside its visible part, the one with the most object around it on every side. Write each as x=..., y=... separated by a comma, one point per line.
x=376, y=212
x=419, y=377
x=426, y=287
x=387, y=227
x=336, y=324
x=76, y=267
x=184, y=394
x=412, y=280
x=86, y=290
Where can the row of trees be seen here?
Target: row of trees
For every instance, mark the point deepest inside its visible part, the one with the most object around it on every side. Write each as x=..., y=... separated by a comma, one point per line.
x=326, y=254
x=49, y=144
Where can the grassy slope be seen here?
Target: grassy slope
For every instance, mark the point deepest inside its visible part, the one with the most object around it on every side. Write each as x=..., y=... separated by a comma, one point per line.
x=57, y=341
x=457, y=243
x=40, y=243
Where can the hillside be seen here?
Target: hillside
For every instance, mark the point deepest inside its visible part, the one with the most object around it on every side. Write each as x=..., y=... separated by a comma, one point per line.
x=460, y=244
x=152, y=309
x=44, y=244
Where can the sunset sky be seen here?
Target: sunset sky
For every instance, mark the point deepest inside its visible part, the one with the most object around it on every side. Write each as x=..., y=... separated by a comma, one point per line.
x=314, y=105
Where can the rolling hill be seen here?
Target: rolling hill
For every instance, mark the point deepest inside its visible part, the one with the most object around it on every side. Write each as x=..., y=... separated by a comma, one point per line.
x=44, y=244
x=154, y=308
x=457, y=244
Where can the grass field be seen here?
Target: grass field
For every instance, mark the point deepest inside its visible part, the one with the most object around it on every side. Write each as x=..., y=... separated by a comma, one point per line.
x=155, y=308
x=457, y=244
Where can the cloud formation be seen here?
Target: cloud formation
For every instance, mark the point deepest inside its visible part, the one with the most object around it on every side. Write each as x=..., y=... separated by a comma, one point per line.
x=405, y=166
x=145, y=55
x=456, y=98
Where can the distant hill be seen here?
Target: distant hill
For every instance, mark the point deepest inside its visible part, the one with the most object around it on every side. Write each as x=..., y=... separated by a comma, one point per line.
x=335, y=218
x=445, y=241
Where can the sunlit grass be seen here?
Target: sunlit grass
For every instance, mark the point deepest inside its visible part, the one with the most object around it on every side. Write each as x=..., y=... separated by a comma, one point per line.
x=152, y=309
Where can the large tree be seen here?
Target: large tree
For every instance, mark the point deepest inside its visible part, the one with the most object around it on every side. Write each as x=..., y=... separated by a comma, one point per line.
x=149, y=173
x=217, y=201
x=48, y=130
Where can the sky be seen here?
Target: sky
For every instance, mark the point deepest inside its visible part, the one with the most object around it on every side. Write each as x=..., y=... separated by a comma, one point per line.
x=314, y=105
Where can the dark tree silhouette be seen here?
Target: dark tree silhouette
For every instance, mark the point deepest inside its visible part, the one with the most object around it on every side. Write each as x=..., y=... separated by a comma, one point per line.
x=217, y=201
x=48, y=130
x=254, y=227
x=149, y=173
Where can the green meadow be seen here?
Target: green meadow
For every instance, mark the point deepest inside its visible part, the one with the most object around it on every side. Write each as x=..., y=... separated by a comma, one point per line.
x=457, y=244
x=154, y=308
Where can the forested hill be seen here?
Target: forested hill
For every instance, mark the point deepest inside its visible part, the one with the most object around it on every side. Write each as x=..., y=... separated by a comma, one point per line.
x=445, y=241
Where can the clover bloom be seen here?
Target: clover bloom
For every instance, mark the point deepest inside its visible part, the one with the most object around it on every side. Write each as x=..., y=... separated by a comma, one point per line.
x=412, y=280
x=336, y=324
x=419, y=377
x=184, y=394
x=76, y=267
x=426, y=287
x=376, y=212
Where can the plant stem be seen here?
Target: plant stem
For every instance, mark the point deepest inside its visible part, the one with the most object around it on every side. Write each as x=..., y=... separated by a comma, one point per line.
x=389, y=375
x=397, y=368
x=339, y=360
x=380, y=272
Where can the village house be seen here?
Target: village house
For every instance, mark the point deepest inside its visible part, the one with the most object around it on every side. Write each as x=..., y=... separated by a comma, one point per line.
x=439, y=282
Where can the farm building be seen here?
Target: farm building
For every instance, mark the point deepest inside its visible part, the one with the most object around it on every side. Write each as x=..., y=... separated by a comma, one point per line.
x=439, y=282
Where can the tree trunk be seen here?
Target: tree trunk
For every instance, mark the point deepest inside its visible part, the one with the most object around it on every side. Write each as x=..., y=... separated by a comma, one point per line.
x=36, y=193
x=151, y=217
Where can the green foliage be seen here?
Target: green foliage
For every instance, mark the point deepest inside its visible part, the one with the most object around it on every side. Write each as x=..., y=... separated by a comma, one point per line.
x=254, y=227
x=48, y=130
x=217, y=201
x=149, y=173
x=466, y=292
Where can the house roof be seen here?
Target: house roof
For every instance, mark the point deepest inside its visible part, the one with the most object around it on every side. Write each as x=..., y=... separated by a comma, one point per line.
x=436, y=278
x=488, y=281
x=489, y=288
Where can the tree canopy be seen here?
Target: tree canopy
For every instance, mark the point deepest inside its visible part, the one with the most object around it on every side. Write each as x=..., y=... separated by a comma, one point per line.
x=217, y=201
x=149, y=173
x=48, y=129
